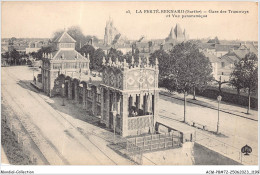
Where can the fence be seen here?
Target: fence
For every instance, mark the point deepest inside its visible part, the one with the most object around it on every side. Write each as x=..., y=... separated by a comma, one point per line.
x=226, y=149
x=135, y=153
x=153, y=142
x=15, y=128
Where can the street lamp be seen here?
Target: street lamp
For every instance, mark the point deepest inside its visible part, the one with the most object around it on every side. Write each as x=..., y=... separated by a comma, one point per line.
x=114, y=123
x=33, y=72
x=219, y=99
x=63, y=104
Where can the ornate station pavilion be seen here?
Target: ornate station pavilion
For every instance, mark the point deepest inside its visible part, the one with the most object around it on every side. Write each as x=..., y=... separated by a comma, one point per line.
x=124, y=95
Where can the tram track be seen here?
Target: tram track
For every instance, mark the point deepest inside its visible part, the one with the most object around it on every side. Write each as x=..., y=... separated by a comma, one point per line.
x=72, y=125
x=36, y=135
x=21, y=83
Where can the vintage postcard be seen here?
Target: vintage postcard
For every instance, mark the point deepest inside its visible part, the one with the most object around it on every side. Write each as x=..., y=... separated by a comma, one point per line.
x=129, y=83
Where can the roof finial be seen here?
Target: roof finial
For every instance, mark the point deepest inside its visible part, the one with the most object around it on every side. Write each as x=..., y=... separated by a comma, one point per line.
x=125, y=64
x=140, y=61
x=110, y=61
x=116, y=61
x=88, y=56
x=132, y=61
x=104, y=61
x=156, y=63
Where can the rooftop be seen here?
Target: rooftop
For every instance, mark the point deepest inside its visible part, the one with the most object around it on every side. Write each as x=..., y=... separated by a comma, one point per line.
x=65, y=38
x=212, y=58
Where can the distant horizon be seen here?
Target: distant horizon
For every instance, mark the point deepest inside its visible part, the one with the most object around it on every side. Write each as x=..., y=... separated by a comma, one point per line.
x=42, y=19
x=149, y=39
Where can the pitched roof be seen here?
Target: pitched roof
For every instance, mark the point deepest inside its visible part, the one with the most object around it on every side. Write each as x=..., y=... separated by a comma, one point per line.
x=230, y=57
x=241, y=53
x=178, y=32
x=67, y=55
x=65, y=38
x=225, y=47
x=206, y=45
x=252, y=48
x=212, y=58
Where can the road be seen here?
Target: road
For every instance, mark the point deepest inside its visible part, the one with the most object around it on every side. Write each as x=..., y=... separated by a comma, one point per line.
x=57, y=134
x=236, y=131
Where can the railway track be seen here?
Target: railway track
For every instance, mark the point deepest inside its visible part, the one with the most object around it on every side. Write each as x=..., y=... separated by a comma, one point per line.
x=37, y=142
x=37, y=137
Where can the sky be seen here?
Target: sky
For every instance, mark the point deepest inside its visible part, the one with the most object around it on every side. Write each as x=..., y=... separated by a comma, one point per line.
x=42, y=19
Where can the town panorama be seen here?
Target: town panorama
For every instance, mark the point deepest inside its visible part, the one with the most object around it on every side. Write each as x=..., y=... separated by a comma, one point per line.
x=77, y=99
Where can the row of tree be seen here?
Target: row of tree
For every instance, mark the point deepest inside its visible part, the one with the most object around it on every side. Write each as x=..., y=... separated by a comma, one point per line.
x=15, y=58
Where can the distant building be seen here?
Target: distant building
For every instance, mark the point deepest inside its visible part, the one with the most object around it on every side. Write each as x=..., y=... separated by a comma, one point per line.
x=34, y=46
x=228, y=61
x=112, y=39
x=110, y=32
x=218, y=49
x=177, y=35
x=214, y=60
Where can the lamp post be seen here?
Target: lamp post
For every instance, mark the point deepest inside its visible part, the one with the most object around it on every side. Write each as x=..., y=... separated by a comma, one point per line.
x=33, y=74
x=63, y=104
x=114, y=124
x=219, y=99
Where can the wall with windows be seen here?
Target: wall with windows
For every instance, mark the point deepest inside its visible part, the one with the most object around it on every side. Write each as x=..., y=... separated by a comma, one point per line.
x=66, y=45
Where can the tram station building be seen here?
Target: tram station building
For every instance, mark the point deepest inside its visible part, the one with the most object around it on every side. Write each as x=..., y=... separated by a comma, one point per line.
x=124, y=95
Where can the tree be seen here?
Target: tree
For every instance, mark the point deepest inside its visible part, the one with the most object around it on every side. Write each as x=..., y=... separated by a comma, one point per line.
x=76, y=33
x=236, y=82
x=245, y=75
x=99, y=54
x=202, y=73
x=185, y=69
x=220, y=83
x=113, y=54
x=163, y=59
x=88, y=50
x=215, y=40
x=15, y=55
x=39, y=53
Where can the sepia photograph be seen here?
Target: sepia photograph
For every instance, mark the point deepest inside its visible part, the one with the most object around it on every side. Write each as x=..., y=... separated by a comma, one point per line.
x=129, y=83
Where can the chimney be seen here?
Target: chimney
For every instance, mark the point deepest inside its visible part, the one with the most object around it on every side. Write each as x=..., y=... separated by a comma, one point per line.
x=161, y=46
x=133, y=49
x=91, y=41
x=150, y=44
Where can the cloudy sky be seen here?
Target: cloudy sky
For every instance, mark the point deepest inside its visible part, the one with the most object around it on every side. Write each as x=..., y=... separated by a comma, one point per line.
x=42, y=19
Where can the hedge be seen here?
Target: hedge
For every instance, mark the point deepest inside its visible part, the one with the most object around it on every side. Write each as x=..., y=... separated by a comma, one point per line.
x=229, y=97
